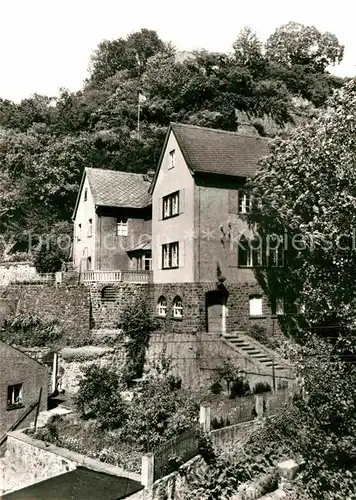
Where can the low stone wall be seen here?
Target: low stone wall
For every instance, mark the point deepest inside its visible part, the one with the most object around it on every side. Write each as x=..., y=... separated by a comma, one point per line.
x=12, y=271
x=29, y=461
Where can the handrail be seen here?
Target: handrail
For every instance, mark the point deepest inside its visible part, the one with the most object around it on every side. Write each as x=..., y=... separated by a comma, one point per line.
x=19, y=420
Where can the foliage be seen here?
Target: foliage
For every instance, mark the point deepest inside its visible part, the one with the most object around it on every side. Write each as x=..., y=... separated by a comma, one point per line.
x=159, y=412
x=137, y=325
x=90, y=439
x=228, y=373
x=99, y=397
x=261, y=387
x=49, y=260
x=216, y=387
x=239, y=387
x=296, y=44
x=29, y=330
x=308, y=186
x=45, y=143
x=259, y=333
x=220, y=423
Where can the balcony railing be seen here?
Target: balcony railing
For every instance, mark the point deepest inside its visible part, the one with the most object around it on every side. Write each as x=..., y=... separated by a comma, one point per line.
x=126, y=276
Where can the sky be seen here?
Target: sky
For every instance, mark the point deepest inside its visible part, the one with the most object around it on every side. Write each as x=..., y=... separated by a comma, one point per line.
x=45, y=45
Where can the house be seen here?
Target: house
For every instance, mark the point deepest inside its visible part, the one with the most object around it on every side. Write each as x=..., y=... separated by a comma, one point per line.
x=112, y=222
x=198, y=229
x=23, y=380
x=191, y=215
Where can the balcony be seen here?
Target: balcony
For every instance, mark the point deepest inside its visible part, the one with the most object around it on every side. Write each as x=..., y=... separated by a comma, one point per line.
x=120, y=276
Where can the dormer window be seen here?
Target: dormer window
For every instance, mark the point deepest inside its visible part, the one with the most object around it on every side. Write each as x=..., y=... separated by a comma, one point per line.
x=85, y=194
x=172, y=158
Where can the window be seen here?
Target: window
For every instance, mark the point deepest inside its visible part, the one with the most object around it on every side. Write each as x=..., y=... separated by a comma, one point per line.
x=170, y=255
x=245, y=202
x=85, y=194
x=121, y=227
x=14, y=395
x=177, y=308
x=278, y=306
x=162, y=307
x=144, y=263
x=256, y=253
x=90, y=228
x=171, y=205
x=255, y=305
x=172, y=158
x=79, y=237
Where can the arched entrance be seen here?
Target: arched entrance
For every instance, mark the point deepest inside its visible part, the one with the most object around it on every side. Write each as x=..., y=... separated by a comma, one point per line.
x=216, y=311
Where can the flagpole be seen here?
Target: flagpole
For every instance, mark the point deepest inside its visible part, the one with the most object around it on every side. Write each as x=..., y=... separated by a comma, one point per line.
x=138, y=117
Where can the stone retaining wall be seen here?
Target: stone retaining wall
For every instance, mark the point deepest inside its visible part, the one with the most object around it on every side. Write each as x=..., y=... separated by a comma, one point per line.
x=29, y=461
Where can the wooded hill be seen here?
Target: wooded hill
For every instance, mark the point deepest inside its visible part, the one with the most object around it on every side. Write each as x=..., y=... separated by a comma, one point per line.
x=45, y=143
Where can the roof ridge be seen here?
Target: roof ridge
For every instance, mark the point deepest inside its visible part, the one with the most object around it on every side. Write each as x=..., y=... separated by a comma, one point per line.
x=220, y=131
x=111, y=170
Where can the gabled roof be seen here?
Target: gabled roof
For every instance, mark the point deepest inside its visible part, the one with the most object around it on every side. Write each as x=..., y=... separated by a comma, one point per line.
x=218, y=151
x=111, y=188
x=212, y=151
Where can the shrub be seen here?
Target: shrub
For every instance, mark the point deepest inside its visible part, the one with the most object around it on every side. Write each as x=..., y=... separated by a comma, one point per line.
x=99, y=397
x=137, y=325
x=239, y=388
x=261, y=387
x=216, y=388
x=259, y=333
x=228, y=372
x=29, y=330
x=49, y=259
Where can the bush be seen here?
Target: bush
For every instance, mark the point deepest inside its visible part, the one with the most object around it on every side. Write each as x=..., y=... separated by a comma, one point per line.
x=29, y=330
x=259, y=333
x=216, y=388
x=159, y=413
x=137, y=325
x=49, y=259
x=261, y=387
x=239, y=388
x=99, y=397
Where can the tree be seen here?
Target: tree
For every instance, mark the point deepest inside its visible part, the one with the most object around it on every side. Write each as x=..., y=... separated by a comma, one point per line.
x=99, y=397
x=308, y=188
x=294, y=44
x=129, y=54
x=248, y=48
x=137, y=325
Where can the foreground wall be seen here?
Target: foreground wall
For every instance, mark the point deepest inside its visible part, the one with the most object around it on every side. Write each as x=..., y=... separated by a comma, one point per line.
x=29, y=461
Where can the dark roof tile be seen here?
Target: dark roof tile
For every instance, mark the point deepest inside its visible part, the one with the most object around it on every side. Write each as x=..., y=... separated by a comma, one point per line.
x=112, y=188
x=217, y=151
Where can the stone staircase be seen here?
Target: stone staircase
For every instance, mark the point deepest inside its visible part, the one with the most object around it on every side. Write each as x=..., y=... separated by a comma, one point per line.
x=267, y=359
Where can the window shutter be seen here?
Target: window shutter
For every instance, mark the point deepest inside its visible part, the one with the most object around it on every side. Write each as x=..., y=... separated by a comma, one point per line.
x=181, y=253
x=181, y=200
x=233, y=200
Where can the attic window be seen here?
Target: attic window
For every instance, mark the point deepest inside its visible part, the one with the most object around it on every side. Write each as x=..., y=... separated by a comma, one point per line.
x=121, y=227
x=85, y=194
x=172, y=158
